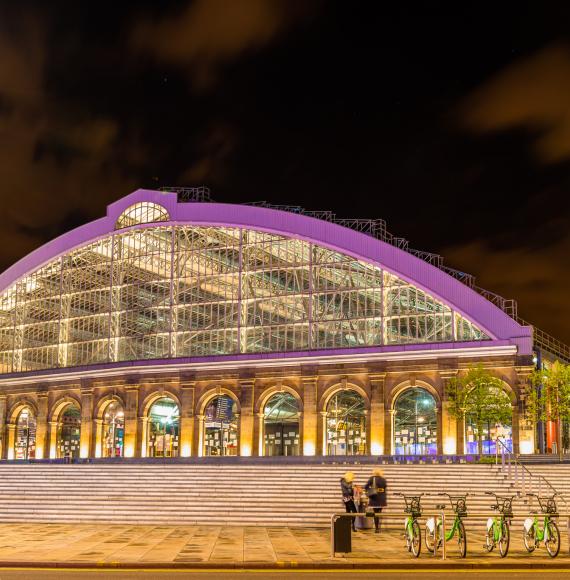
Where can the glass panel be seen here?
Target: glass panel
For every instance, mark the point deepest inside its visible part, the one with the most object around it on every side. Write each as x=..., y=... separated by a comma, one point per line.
x=281, y=425
x=415, y=423
x=184, y=291
x=163, y=429
x=25, y=444
x=346, y=424
x=113, y=430
x=142, y=213
x=69, y=432
x=221, y=427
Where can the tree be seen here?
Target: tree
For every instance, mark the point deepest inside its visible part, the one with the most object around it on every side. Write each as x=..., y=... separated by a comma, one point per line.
x=478, y=397
x=549, y=400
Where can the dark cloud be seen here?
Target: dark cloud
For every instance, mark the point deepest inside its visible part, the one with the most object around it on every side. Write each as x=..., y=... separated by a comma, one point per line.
x=538, y=278
x=532, y=94
x=210, y=33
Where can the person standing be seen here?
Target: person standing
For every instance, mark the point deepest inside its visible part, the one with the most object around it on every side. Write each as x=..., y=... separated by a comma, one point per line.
x=376, y=488
x=348, y=495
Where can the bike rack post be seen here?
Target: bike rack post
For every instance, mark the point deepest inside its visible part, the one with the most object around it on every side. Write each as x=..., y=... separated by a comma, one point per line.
x=502, y=460
x=509, y=466
x=523, y=481
x=516, y=473
x=443, y=551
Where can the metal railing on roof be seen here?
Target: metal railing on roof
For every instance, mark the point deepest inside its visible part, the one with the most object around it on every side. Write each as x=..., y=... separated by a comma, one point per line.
x=377, y=228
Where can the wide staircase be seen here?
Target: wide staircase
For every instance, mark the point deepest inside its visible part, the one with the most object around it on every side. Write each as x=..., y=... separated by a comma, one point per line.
x=224, y=494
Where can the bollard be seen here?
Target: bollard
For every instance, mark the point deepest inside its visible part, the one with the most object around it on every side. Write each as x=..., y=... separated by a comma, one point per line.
x=443, y=554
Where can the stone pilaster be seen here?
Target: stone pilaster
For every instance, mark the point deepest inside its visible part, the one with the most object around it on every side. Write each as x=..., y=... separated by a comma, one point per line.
x=42, y=449
x=187, y=393
x=133, y=443
x=376, y=419
x=310, y=425
x=86, y=436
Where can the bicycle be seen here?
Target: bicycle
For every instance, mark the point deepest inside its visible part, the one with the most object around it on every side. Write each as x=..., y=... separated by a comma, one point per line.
x=498, y=528
x=412, y=530
x=433, y=530
x=549, y=534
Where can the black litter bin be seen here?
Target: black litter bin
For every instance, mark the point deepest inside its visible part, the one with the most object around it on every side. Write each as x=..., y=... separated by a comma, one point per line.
x=342, y=534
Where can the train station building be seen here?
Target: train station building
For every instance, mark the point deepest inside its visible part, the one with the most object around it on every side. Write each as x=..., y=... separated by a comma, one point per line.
x=178, y=327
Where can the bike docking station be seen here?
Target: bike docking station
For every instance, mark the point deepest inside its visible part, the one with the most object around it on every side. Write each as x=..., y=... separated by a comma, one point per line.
x=538, y=526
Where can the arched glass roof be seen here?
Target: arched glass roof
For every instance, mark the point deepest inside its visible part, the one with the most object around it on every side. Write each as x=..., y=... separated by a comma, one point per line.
x=188, y=291
x=142, y=213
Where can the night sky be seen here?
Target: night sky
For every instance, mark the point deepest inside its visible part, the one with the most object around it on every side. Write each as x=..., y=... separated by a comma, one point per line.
x=449, y=120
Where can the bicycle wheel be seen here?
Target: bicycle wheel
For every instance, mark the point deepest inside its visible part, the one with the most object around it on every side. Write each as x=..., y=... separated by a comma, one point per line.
x=461, y=540
x=416, y=540
x=505, y=539
x=553, y=542
x=528, y=540
x=490, y=539
x=430, y=538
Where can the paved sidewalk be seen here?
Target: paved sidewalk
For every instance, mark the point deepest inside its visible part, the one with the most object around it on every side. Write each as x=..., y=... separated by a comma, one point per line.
x=127, y=546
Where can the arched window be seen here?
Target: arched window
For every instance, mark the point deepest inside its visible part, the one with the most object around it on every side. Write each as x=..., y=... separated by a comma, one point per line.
x=69, y=432
x=415, y=423
x=145, y=212
x=113, y=430
x=481, y=433
x=346, y=424
x=281, y=425
x=163, y=429
x=25, y=443
x=221, y=427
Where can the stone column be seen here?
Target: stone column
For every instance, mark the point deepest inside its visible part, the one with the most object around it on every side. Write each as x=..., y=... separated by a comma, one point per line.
x=42, y=449
x=132, y=442
x=377, y=420
x=323, y=431
x=439, y=430
x=3, y=429
x=142, y=436
x=389, y=431
x=98, y=439
x=448, y=425
x=260, y=434
x=86, y=436
x=526, y=429
x=247, y=397
x=186, y=418
x=10, y=440
x=53, y=451
x=310, y=425
x=200, y=437
x=515, y=429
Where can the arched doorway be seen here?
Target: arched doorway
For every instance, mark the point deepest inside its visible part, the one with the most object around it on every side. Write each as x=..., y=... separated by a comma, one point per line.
x=113, y=438
x=25, y=441
x=490, y=419
x=415, y=423
x=281, y=425
x=163, y=428
x=69, y=431
x=221, y=426
x=346, y=424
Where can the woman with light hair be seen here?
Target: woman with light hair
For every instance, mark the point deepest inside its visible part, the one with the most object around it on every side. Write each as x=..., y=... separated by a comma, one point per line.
x=376, y=489
x=348, y=495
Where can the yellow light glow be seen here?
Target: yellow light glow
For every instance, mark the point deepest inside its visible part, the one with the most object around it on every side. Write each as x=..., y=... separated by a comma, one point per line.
x=129, y=450
x=526, y=447
x=308, y=448
x=376, y=448
x=39, y=452
x=52, y=451
x=10, y=453
x=98, y=451
x=449, y=446
x=245, y=450
x=186, y=451
x=84, y=451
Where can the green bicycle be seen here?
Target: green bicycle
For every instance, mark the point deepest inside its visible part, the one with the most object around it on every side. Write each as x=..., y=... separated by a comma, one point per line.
x=411, y=527
x=434, y=528
x=498, y=528
x=549, y=534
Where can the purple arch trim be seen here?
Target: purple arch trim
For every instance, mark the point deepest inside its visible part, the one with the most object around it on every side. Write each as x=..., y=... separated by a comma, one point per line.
x=491, y=319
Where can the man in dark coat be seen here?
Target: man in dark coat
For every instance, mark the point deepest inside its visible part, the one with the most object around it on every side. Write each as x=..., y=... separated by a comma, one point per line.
x=376, y=488
x=348, y=495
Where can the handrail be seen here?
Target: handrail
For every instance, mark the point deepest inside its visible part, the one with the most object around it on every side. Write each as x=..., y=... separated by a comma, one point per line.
x=511, y=457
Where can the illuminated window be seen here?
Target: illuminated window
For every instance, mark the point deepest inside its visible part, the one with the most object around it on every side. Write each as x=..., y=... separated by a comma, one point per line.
x=142, y=213
x=185, y=291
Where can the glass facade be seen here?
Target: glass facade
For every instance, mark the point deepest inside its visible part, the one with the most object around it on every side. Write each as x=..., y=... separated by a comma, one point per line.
x=69, y=432
x=415, y=423
x=281, y=425
x=346, y=424
x=181, y=291
x=221, y=427
x=163, y=429
x=113, y=430
x=25, y=443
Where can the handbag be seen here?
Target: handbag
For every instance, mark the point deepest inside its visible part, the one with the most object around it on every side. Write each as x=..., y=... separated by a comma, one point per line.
x=374, y=490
